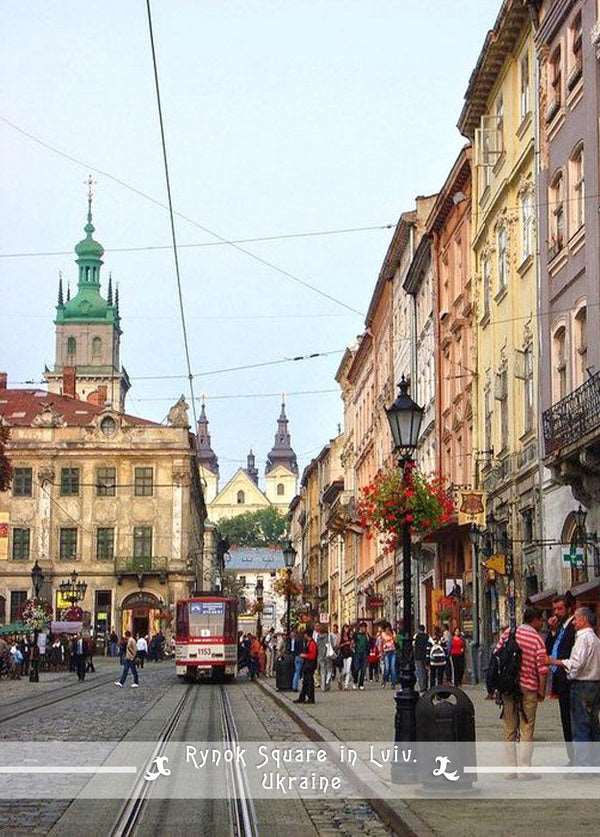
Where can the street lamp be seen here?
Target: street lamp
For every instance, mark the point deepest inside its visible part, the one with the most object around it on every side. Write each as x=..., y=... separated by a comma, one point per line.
x=72, y=590
x=404, y=417
x=37, y=579
x=476, y=537
x=259, y=590
x=289, y=558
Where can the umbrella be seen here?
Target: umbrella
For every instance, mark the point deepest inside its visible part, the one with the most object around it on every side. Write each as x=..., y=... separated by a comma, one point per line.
x=14, y=628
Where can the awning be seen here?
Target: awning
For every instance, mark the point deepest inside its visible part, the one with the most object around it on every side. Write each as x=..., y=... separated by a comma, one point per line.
x=584, y=589
x=13, y=628
x=537, y=598
x=65, y=627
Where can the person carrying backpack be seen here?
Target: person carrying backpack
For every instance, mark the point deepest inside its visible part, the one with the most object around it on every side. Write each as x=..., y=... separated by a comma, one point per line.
x=437, y=659
x=517, y=674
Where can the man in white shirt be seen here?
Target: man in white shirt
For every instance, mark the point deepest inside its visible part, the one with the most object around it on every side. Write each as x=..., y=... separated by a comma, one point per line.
x=583, y=670
x=142, y=649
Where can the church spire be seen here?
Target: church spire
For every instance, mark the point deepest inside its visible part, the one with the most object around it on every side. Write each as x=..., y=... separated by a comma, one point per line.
x=109, y=296
x=206, y=455
x=60, y=289
x=251, y=468
x=282, y=453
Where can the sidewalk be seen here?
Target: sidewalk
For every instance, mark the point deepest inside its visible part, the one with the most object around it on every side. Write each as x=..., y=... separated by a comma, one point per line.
x=369, y=715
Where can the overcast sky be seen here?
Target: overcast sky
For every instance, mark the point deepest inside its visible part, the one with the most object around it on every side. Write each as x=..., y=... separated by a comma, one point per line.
x=281, y=117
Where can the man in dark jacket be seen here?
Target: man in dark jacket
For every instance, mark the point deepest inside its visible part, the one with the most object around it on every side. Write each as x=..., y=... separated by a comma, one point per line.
x=79, y=651
x=309, y=657
x=559, y=642
x=421, y=645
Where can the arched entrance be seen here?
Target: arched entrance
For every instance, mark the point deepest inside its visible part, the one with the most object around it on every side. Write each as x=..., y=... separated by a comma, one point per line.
x=141, y=613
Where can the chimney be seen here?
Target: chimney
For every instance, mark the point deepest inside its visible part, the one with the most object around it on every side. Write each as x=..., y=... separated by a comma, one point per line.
x=69, y=381
x=3, y=380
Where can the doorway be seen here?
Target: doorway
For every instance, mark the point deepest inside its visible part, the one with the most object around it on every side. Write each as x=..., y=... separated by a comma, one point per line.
x=141, y=623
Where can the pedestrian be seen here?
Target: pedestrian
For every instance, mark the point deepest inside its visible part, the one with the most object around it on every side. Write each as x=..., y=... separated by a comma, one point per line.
x=269, y=643
x=345, y=654
x=142, y=649
x=55, y=654
x=78, y=655
x=360, y=647
x=122, y=649
x=243, y=653
x=521, y=687
x=457, y=657
x=373, y=660
x=309, y=659
x=583, y=671
x=559, y=644
x=296, y=648
x=325, y=656
x=160, y=647
x=421, y=644
x=437, y=659
x=335, y=638
x=16, y=661
x=254, y=656
x=388, y=640
x=113, y=645
x=129, y=662
x=90, y=651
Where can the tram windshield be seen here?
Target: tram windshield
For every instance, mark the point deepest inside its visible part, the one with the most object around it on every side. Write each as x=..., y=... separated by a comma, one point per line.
x=206, y=618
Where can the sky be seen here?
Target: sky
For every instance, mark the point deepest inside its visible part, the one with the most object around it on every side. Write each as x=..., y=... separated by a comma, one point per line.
x=281, y=118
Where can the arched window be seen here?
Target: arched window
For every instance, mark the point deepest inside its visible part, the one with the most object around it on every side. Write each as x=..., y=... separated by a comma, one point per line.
x=559, y=352
x=71, y=345
x=556, y=206
x=280, y=489
x=96, y=346
x=577, y=188
x=241, y=498
x=580, y=346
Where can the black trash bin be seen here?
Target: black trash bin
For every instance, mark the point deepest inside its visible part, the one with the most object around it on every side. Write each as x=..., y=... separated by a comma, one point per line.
x=446, y=736
x=284, y=672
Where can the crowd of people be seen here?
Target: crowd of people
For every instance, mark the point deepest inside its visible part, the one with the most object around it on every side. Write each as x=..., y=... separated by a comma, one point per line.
x=354, y=656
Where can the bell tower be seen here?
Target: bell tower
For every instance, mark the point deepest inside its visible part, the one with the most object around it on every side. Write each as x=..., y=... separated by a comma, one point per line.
x=88, y=333
x=281, y=472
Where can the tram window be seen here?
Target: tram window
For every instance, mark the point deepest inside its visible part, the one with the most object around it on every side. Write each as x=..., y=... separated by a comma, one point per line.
x=207, y=616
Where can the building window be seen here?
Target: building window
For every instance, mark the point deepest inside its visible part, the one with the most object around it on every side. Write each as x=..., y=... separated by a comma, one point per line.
x=68, y=544
x=502, y=259
x=501, y=395
x=560, y=363
x=142, y=542
x=556, y=205
x=20, y=544
x=69, y=482
x=105, y=544
x=241, y=498
x=487, y=286
x=526, y=225
x=525, y=87
x=580, y=346
x=17, y=603
x=500, y=122
x=71, y=348
x=527, y=525
x=96, y=347
x=555, y=83
x=144, y=484
x=22, y=482
x=280, y=489
x=106, y=482
x=528, y=389
x=577, y=186
x=575, y=51
x=488, y=420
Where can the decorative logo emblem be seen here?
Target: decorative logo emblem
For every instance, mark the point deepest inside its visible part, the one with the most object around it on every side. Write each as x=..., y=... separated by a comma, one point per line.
x=159, y=763
x=440, y=770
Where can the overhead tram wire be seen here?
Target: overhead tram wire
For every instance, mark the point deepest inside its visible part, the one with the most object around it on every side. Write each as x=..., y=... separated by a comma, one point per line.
x=205, y=229
x=171, y=218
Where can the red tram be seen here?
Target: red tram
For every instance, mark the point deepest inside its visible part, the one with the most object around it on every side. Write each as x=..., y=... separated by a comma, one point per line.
x=206, y=637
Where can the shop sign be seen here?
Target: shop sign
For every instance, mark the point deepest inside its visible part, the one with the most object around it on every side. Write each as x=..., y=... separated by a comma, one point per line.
x=323, y=618
x=471, y=508
x=574, y=556
x=374, y=602
x=497, y=563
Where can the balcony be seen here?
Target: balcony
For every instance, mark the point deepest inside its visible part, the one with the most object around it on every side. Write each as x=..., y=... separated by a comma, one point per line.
x=140, y=566
x=572, y=418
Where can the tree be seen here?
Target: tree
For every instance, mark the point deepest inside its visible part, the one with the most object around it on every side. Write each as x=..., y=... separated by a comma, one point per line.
x=265, y=527
x=5, y=468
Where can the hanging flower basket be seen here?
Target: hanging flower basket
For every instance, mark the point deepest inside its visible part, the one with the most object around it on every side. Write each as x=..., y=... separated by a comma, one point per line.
x=281, y=584
x=36, y=614
x=396, y=498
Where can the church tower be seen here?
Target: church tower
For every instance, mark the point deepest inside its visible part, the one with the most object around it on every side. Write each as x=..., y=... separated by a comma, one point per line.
x=281, y=472
x=251, y=468
x=208, y=461
x=88, y=333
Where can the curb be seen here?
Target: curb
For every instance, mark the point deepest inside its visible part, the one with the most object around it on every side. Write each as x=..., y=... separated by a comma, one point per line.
x=407, y=824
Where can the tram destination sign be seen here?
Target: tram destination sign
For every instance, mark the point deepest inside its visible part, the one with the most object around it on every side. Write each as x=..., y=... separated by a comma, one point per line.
x=207, y=608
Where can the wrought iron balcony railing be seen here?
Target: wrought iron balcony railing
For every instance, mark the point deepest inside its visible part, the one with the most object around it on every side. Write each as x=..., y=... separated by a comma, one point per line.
x=136, y=564
x=574, y=416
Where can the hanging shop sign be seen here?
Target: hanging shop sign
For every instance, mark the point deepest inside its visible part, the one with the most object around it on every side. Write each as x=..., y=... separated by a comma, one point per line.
x=574, y=556
x=497, y=563
x=471, y=508
x=373, y=602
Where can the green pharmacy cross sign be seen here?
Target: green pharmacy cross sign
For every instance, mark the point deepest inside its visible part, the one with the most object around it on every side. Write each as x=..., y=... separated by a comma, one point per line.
x=574, y=556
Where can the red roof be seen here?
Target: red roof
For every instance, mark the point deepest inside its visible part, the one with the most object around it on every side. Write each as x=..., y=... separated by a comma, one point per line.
x=18, y=407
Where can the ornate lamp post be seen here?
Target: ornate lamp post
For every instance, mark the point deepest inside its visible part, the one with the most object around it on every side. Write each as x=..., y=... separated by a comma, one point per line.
x=37, y=579
x=72, y=590
x=289, y=557
x=404, y=417
x=476, y=536
x=259, y=590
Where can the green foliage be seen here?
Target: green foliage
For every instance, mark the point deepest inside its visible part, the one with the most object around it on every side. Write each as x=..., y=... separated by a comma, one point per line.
x=231, y=585
x=5, y=467
x=265, y=527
